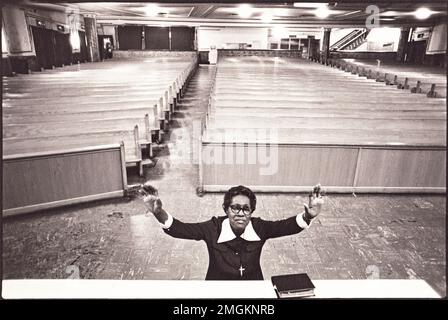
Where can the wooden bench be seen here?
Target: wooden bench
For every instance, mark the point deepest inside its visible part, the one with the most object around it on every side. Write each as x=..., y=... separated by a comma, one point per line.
x=171, y=94
x=297, y=100
x=274, y=112
x=156, y=94
x=426, y=84
x=57, y=115
x=47, y=143
x=156, y=106
x=136, y=75
x=327, y=136
x=283, y=127
x=316, y=103
x=436, y=90
x=70, y=126
x=255, y=121
x=66, y=114
x=344, y=160
x=60, y=148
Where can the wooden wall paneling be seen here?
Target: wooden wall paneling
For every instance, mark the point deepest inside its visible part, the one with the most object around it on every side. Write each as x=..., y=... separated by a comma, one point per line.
x=59, y=45
x=157, y=38
x=182, y=38
x=50, y=49
x=37, y=181
x=402, y=168
x=290, y=165
x=7, y=70
x=130, y=37
x=68, y=54
x=132, y=54
x=44, y=47
x=259, y=53
x=340, y=168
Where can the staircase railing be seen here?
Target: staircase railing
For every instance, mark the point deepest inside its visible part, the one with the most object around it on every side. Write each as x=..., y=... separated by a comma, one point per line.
x=353, y=40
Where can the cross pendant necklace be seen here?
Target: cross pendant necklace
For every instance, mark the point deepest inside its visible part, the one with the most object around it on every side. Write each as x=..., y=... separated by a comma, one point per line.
x=241, y=270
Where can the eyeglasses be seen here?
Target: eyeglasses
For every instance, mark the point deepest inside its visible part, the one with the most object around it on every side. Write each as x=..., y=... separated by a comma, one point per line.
x=236, y=209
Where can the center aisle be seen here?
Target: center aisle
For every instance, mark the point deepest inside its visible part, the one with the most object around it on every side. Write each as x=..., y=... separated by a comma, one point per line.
x=176, y=176
x=176, y=167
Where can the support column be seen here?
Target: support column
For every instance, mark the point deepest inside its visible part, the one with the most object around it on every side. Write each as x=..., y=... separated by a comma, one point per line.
x=93, y=53
x=325, y=54
x=311, y=47
x=116, y=39
x=403, y=44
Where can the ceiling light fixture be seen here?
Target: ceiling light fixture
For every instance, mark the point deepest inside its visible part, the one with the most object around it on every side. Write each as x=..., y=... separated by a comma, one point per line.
x=322, y=12
x=151, y=10
x=244, y=11
x=423, y=13
x=389, y=13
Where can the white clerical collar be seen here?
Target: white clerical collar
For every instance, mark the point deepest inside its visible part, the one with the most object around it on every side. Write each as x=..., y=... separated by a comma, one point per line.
x=227, y=234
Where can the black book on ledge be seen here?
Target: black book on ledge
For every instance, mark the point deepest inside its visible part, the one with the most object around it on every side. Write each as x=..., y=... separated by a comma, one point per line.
x=293, y=285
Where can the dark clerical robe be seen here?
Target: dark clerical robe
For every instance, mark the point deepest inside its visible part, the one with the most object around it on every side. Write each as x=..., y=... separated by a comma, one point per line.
x=234, y=258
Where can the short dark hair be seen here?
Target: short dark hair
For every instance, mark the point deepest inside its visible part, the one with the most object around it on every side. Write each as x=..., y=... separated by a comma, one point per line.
x=239, y=190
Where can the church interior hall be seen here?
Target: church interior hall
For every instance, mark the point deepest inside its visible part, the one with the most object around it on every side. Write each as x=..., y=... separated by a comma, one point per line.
x=99, y=98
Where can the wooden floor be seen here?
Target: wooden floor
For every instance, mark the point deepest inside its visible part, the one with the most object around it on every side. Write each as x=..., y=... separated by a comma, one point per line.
x=400, y=236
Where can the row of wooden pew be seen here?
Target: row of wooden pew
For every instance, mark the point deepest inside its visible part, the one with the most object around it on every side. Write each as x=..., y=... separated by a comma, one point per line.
x=70, y=133
x=299, y=95
x=319, y=122
x=429, y=84
x=98, y=104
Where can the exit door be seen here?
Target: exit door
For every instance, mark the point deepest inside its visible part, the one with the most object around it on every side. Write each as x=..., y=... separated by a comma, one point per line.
x=106, y=45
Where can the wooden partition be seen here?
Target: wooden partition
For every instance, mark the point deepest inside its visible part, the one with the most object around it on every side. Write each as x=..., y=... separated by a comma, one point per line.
x=182, y=38
x=340, y=168
x=130, y=37
x=44, y=46
x=384, y=56
x=34, y=182
x=63, y=49
x=259, y=53
x=157, y=38
x=133, y=54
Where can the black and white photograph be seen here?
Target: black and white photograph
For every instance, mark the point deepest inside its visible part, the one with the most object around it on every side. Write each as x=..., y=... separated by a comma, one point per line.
x=268, y=150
